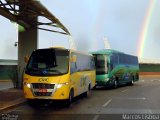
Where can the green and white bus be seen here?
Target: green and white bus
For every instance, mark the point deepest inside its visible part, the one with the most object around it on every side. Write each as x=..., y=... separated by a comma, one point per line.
x=114, y=68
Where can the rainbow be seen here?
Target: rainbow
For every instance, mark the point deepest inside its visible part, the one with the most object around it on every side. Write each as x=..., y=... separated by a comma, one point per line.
x=145, y=27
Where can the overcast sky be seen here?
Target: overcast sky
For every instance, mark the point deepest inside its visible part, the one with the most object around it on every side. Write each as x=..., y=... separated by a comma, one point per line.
x=89, y=21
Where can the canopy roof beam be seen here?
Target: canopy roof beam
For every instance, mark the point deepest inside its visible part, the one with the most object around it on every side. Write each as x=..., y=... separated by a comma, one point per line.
x=11, y=9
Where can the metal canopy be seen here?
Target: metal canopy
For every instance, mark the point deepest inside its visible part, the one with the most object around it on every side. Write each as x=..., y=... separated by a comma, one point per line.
x=22, y=12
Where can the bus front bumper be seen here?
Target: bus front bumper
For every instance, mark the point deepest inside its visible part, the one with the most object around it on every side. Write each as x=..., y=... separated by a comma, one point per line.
x=55, y=94
x=104, y=83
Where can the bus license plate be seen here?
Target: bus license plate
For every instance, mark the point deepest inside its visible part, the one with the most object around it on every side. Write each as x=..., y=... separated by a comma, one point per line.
x=42, y=90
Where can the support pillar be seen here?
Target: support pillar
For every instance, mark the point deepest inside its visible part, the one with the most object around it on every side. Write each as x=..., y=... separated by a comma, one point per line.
x=27, y=42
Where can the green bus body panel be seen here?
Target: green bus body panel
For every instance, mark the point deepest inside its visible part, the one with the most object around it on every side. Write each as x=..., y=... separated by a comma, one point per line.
x=102, y=80
x=122, y=72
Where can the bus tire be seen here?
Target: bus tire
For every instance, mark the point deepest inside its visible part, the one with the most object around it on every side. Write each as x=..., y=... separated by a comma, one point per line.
x=86, y=94
x=68, y=102
x=115, y=85
x=94, y=88
x=131, y=82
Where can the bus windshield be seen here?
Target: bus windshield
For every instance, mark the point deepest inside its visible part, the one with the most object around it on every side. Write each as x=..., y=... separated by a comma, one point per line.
x=48, y=62
x=101, y=64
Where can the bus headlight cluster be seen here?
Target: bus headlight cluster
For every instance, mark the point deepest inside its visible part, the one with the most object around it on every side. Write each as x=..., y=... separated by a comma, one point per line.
x=61, y=84
x=27, y=84
x=107, y=79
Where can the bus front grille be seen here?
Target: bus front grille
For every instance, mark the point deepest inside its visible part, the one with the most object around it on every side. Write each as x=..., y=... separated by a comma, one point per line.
x=42, y=86
x=42, y=89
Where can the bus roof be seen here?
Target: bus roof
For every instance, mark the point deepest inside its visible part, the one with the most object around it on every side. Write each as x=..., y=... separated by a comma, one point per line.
x=63, y=48
x=106, y=51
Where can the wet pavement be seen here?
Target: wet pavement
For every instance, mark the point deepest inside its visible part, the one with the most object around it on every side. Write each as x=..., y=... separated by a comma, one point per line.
x=9, y=96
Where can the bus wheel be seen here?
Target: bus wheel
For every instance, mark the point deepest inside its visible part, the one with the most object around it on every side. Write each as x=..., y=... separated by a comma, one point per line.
x=69, y=100
x=94, y=88
x=115, y=84
x=131, y=82
x=86, y=94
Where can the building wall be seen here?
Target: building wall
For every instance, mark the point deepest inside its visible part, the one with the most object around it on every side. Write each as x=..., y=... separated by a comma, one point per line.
x=7, y=71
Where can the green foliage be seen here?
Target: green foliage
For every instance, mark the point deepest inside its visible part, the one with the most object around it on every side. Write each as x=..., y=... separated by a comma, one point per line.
x=149, y=67
x=21, y=28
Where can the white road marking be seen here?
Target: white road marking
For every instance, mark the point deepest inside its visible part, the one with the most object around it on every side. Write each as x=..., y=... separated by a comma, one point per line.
x=121, y=110
x=104, y=105
x=132, y=98
x=155, y=80
x=96, y=117
x=138, y=98
x=124, y=90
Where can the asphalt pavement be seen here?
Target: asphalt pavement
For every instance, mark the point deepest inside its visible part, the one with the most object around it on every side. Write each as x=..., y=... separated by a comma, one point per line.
x=140, y=101
x=9, y=96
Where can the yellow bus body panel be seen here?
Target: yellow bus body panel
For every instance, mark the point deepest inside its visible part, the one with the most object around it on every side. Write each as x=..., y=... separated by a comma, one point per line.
x=74, y=81
x=59, y=93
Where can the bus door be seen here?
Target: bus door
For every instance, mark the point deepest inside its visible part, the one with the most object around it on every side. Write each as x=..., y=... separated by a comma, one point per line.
x=101, y=63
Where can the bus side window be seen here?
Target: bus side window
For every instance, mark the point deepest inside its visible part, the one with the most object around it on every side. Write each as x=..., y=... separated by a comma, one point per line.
x=111, y=67
x=111, y=63
x=92, y=63
x=73, y=65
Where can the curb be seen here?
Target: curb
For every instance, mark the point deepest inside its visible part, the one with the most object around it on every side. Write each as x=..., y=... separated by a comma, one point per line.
x=13, y=104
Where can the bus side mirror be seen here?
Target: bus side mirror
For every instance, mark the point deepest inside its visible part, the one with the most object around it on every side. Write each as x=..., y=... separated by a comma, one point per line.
x=26, y=59
x=74, y=58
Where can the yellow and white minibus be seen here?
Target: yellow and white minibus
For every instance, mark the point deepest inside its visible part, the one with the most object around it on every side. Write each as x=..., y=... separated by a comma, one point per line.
x=58, y=74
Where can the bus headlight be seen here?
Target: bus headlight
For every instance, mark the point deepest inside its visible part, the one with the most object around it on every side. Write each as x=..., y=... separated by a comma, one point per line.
x=27, y=84
x=107, y=79
x=61, y=84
